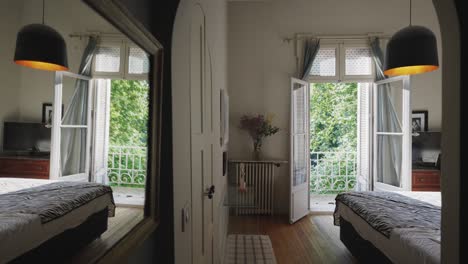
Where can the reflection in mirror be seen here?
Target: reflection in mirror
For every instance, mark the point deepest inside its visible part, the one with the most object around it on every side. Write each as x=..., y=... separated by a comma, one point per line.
x=389, y=107
x=77, y=142
x=389, y=159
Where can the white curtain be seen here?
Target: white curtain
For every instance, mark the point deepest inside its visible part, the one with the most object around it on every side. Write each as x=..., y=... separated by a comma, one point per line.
x=73, y=140
x=389, y=154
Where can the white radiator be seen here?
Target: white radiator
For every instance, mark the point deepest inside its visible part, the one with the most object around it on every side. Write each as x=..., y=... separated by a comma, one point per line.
x=259, y=179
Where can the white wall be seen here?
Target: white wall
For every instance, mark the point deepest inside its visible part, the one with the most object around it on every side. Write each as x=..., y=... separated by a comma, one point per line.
x=9, y=71
x=216, y=30
x=65, y=16
x=261, y=64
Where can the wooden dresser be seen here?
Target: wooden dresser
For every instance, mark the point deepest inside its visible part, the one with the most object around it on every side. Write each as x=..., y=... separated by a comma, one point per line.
x=24, y=167
x=426, y=180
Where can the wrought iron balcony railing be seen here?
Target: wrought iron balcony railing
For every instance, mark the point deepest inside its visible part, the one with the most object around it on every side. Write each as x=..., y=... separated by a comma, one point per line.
x=127, y=166
x=332, y=172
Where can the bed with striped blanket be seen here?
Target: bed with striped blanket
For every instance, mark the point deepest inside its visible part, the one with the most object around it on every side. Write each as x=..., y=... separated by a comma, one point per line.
x=404, y=229
x=42, y=210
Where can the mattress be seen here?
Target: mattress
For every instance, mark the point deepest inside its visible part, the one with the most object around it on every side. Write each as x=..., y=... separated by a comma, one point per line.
x=20, y=232
x=404, y=245
x=15, y=184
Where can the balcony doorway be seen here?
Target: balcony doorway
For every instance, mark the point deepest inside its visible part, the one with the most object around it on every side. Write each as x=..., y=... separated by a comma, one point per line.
x=335, y=135
x=121, y=138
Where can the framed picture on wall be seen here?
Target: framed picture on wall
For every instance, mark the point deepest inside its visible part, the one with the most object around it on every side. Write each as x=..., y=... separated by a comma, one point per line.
x=419, y=120
x=47, y=110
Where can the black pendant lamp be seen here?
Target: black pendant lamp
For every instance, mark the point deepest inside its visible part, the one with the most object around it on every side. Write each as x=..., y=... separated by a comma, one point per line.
x=41, y=47
x=412, y=50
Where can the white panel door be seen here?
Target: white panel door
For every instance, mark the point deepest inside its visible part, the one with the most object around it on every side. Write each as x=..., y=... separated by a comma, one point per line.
x=202, y=139
x=299, y=150
x=71, y=128
x=392, y=135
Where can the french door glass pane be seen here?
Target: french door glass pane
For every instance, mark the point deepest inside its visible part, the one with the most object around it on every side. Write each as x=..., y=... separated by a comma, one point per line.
x=73, y=144
x=300, y=160
x=299, y=114
x=75, y=101
x=389, y=159
x=390, y=107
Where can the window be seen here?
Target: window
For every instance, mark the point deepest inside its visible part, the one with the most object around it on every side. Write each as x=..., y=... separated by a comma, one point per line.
x=138, y=62
x=107, y=59
x=120, y=60
x=340, y=61
x=325, y=62
x=358, y=61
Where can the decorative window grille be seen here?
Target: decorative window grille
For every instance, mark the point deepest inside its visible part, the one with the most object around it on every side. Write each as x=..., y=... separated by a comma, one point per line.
x=324, y=63
x=107, y=59
x=343, y=61
x=120, y=60
x=138, y=61
x=358, y=61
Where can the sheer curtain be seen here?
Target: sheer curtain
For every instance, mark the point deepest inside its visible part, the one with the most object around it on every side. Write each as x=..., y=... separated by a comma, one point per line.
x=389, y=154
x=73, y=140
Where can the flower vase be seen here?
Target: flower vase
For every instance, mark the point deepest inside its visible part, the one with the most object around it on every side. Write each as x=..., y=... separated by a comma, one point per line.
x=256, y=150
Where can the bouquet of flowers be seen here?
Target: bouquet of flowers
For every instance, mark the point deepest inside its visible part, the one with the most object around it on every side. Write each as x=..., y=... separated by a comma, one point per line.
x=258, y=126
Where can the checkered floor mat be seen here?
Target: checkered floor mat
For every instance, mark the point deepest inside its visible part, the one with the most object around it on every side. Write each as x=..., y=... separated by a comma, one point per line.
x=249, y=249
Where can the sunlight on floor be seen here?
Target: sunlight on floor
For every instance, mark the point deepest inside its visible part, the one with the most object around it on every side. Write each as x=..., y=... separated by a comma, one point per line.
x=322, y=202
x=129, y=196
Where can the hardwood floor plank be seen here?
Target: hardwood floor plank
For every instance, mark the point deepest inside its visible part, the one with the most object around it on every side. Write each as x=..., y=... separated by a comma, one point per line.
x=313, y=239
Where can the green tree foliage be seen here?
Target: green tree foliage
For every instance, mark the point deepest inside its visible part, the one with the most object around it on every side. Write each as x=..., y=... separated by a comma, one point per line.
x=129, y=113
x=333, y=128
x=333, y=117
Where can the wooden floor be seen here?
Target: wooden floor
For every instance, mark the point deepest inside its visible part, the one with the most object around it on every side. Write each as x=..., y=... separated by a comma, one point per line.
x=314, y=239
x=119, y=225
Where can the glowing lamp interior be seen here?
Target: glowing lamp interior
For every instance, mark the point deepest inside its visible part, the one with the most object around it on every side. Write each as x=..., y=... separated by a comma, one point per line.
x=41, y=65
x=410, y=70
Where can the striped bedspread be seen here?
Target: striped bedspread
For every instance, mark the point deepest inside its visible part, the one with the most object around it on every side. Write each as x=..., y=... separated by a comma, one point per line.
x=51, y=201
x=388, y=211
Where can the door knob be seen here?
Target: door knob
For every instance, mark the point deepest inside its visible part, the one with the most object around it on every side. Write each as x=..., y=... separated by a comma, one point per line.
x=209, y=192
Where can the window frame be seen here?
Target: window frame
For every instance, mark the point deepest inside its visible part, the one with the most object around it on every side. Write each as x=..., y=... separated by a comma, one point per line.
x=340, y=73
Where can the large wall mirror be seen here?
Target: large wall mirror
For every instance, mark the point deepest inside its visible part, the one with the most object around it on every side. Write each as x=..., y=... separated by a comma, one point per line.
x=96, y=125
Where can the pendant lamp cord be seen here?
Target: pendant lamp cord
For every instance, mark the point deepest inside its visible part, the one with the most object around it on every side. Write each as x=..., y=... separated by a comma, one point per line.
x=410, y=2
x=43, y=11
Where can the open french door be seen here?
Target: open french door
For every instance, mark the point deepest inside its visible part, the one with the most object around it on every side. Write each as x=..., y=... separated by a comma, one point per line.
x=71, y=127
x=392, y=135
x=299, y=152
